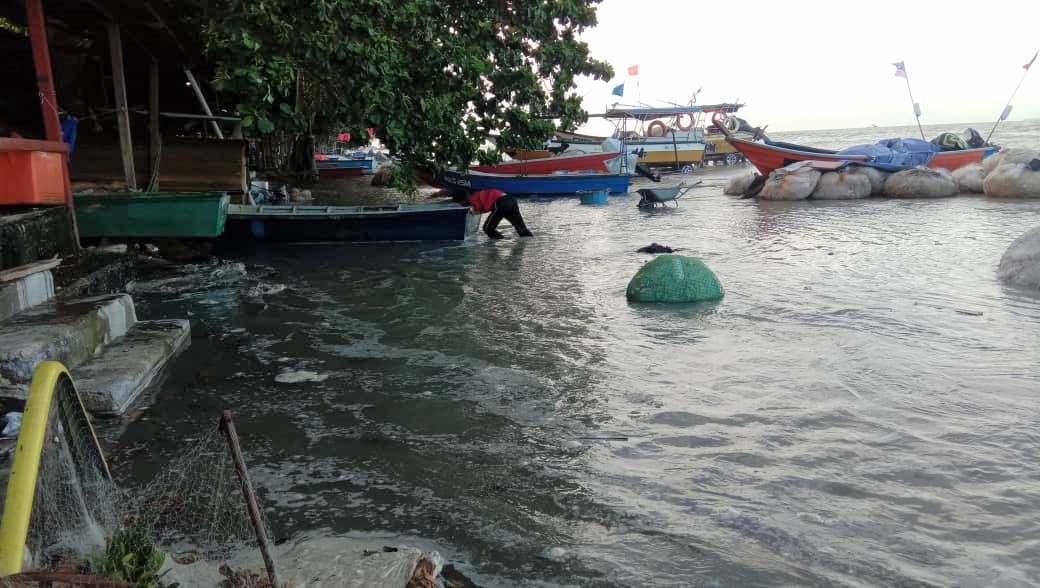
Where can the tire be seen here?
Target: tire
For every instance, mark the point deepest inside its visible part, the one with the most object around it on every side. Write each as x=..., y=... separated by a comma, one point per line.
x=687, y=169
x=732, y=159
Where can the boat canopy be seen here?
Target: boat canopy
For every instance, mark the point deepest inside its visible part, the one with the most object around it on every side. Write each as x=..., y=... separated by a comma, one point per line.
x=662, y=112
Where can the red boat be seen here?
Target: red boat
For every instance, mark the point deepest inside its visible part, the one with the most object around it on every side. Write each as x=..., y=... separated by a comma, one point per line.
x=548, y=165
x=772, y=155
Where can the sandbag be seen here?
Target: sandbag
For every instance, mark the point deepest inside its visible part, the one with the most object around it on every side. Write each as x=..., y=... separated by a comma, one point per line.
x=674, y=278
x=969, y=178
x=738, y=185
x=1013, y=180
x=874, y=175
x=921, y=182
x=794, y=182
x=1008, y=155
x=1020, y=264
x=840, y=185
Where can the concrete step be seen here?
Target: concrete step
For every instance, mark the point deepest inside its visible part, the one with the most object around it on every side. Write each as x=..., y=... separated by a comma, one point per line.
x=24, y=293
x=70, y=332
x=110, y=381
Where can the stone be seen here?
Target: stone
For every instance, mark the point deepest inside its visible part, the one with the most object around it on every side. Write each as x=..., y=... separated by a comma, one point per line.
x=674, y=278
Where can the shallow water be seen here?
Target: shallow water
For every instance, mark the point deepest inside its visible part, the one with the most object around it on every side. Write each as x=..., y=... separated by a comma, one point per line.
x=861, y=408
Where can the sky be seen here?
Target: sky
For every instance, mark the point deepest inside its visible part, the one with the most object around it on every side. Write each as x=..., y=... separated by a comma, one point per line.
x=808, y=64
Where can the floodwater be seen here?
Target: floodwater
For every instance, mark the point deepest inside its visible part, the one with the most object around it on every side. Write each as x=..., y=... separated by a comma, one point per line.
x=861, y=409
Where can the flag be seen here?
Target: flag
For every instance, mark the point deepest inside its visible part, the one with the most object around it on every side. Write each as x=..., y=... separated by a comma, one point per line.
x=633, y=70
x=1026, y=66
x=343, y=137
x=619, y=90
x=900, y=70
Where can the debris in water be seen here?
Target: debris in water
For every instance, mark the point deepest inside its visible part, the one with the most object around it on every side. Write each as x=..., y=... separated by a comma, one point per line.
x=12, y=424
x=554, y=554
x=297, y=376
x=655, y=248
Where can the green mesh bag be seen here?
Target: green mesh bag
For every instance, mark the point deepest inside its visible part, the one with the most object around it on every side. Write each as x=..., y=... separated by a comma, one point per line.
x=674, y=278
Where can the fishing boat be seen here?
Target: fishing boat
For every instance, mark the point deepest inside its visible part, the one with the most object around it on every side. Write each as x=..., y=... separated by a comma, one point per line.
x=317, y=224
x=680, y=137
x=331, y=165
x=553, y=184
x=572, y=162
x=769, y=155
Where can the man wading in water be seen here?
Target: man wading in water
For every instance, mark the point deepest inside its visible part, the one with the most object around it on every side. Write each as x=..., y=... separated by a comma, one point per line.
x=500, y=205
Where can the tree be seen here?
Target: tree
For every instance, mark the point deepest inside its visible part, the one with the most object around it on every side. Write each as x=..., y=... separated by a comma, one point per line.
x=434, y=78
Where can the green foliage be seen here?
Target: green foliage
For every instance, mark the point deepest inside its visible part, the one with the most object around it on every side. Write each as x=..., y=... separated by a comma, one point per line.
x=130, y=556
x=434, y=78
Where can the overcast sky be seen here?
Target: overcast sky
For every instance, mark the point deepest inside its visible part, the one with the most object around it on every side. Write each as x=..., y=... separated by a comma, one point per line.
x=817, y=64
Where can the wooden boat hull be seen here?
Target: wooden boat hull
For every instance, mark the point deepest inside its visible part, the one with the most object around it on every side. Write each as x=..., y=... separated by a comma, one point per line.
x=320, y=224
x=138, y=214
x=767, y=158
x=574, y=163
x=339, y=172
x=558, y=184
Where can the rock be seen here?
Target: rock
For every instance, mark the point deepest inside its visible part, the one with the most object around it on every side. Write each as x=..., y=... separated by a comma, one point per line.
x=921, y=182
x=877, y=177
x=674, y=278
x=840, y=185
x=969, y=178
x=1008, y=155
x=794, y=182
x=1013, y=180
x=655, y=248
x=738, y=185
x=1020, y=264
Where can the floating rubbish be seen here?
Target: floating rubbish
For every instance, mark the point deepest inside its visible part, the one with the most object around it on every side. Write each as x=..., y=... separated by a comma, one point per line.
x=296, y=377
x=12, y=424
x=655, y=248
x=554, y=554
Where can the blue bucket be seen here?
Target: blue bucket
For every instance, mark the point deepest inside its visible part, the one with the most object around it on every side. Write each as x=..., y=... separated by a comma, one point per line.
x=594, y=196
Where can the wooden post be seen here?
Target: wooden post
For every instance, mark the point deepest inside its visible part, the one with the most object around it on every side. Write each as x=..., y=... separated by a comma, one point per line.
x=227, y=426
x=126, y=145
x=155, y=144
x=48, y=98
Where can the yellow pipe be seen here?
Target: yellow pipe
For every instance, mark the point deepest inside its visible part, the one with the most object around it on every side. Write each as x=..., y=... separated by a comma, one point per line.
x=21, y=487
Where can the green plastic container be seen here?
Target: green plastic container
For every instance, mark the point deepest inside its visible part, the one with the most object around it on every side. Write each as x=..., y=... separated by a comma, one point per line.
x=158, y=214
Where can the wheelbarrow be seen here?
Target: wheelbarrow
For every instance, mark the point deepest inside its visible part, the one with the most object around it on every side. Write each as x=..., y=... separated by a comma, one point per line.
x=653, y=197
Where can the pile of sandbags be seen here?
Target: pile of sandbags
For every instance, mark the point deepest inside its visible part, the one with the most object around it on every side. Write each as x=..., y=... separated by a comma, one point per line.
x=921, y=182
x=970, y=177
x=739, y=185
x=794, y=182
x=875, y=176
x=842, y=185
x=1012, y=173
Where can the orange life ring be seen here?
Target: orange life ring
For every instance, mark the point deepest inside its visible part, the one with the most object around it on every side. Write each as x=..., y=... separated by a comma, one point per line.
x=679, y=123
x=656, y=125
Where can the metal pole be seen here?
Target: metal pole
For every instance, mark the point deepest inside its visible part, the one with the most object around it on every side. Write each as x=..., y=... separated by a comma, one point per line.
x=228, y=428
x=126, y=146
x=917, y=109
x=202, y=101
x=1007, y=109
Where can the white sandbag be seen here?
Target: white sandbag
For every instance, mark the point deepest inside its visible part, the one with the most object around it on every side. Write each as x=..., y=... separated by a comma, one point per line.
x=877, y=177
x=969, y=178
x=1008, y=155
x=738, y=185
x=1012, y=180
x=840, y=185
x=921, y=182
x=1020, y=264
x=794, y=182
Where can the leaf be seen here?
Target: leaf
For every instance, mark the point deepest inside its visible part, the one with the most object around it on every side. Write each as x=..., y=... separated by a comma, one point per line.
x=284, y=107
x=264, y=125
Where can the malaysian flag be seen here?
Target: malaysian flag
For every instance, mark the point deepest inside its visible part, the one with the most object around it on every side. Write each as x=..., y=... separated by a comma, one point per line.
x=900, y=70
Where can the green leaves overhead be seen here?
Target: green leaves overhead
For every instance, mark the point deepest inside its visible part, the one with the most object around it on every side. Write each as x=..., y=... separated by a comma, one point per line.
x=435, y=78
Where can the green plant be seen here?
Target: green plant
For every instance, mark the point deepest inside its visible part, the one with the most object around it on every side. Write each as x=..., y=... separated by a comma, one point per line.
x=130, y=556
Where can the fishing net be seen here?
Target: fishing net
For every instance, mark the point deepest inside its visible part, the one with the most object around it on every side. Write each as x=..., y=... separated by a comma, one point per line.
x=674, y=278
x=193, y=509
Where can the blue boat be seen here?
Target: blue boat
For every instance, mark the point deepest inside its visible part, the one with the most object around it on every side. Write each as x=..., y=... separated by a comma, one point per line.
x=321, y=224
x=342, y=165
x=559, y=183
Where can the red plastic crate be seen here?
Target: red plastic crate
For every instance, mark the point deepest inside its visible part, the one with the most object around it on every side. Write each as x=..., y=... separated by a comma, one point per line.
x=32, y=177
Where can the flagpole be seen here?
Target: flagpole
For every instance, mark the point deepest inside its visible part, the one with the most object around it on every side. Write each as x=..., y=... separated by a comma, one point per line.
x=917, y=109
x=1007, y=109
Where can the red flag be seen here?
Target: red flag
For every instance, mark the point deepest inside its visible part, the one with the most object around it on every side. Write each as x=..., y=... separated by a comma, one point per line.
x=633, y=70
x=343, y=136
x=1026, y=66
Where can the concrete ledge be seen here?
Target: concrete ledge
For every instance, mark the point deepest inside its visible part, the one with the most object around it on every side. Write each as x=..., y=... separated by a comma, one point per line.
x=114, y=378
x=24, y=293
x=69, y=332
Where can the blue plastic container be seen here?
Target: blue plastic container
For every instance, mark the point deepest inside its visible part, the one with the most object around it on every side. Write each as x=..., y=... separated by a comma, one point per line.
x=594, y=196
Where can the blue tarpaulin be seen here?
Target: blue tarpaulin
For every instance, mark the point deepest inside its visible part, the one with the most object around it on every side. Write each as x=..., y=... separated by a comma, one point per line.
x=895, y=153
